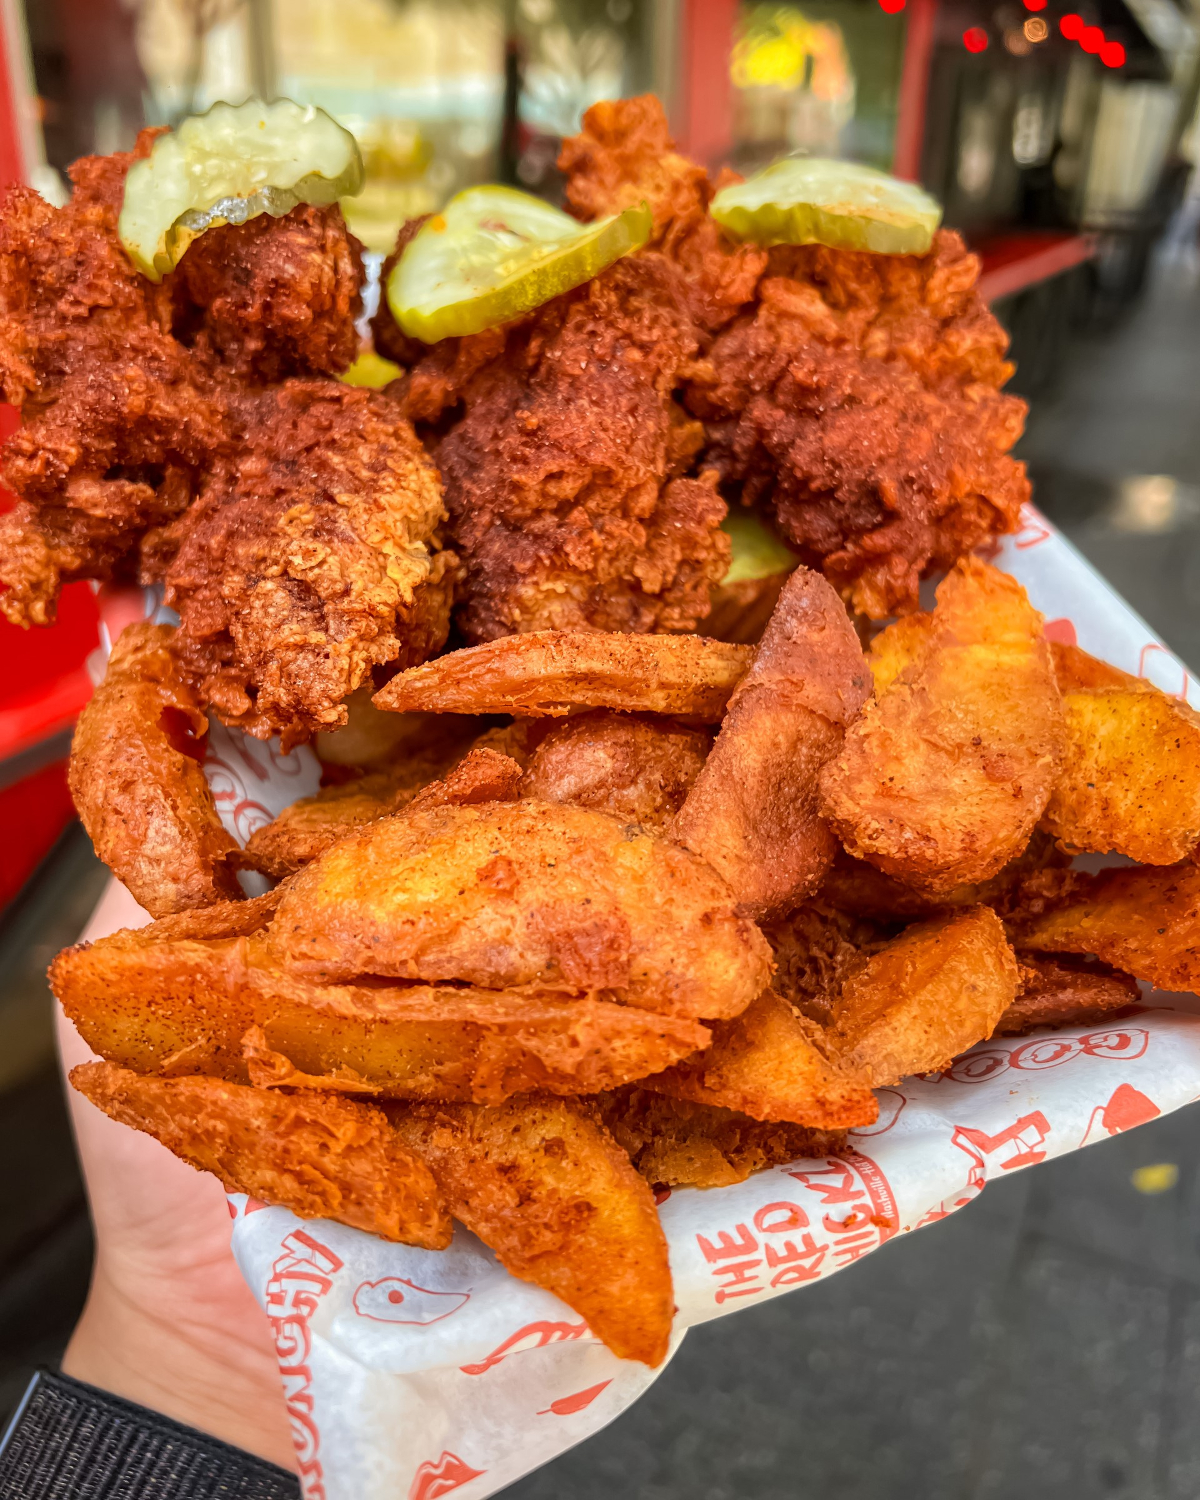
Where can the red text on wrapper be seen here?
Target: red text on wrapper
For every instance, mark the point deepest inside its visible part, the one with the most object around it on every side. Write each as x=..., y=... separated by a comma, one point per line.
x=299, y=1279
x=845, y=1210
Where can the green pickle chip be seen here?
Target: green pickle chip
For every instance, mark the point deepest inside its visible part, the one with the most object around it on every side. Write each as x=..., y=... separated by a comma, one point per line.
x=494, y=253
x=814, y=200
x=227, y=166
x=757, y=552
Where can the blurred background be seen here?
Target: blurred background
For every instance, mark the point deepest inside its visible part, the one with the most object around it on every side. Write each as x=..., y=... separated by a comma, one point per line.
x=1044, y=1342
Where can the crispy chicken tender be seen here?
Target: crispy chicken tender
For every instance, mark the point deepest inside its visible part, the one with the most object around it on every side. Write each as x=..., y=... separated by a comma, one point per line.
x=1066, y=992
x=753, y=812
x=545, y=1186
x=817, y=948
x=272, y=297
x=634, y=768
x=300, y=568
x=624, y=156
x=552, y=672
x=320, y=1156
x=119, y=423
x=772, y=1063
x=1145, y=921
x=523, y=893
x=935, y=991
x=564, y=472
x=943, y=778
x=173, y=1006
x=859, y=401
x=137, y=784
x=677, y=1143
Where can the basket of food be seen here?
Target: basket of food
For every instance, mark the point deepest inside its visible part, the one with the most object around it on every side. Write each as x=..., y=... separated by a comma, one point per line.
x=592, y=887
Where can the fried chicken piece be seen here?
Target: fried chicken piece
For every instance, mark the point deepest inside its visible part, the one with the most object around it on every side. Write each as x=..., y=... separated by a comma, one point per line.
x=137, y=783
x=753, y=813
x=119, y=425
x=273, y=297
x=321, y=1156
x=678, y=1143
x=624, y=156
x=633, y=767
x=1066, y=992
x=860, y=402
x=817, y=948
x=545, y=1186
x=772, y=1063
x=301, y=566
x=563, y=475
x=516, y=893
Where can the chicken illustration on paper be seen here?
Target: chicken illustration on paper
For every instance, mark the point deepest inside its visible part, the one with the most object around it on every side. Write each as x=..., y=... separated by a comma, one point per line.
x=395, y=1299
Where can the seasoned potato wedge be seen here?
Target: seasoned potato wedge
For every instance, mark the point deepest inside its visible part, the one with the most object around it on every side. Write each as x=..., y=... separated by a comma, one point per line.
x=945, y=774
x=523, y=893
x=544, y=1185
x=1066, y=992
x=554, y=671
x=752, y=813
x=772, y=1064
x=1144, y=921
x=137, y=783
x=320, y=1156
x=677, y=1143
x=930, y=994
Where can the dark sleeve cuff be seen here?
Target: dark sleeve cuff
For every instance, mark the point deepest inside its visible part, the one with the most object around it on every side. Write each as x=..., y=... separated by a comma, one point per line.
x=70, y=1441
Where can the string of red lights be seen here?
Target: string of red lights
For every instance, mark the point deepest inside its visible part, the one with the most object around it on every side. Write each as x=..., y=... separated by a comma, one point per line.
x=1072, y=26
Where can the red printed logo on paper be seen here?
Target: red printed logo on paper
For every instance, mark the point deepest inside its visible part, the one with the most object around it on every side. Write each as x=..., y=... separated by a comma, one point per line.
x=982, y=1064
x=844, y=1209
x=395, y=1299
x=441, y=1476
x=532, y=1336
x=1159, y=666
x=1062, y=631
x=891, y=1103
x=1127, y=1108
x=567, y=1406
x=1035, y=529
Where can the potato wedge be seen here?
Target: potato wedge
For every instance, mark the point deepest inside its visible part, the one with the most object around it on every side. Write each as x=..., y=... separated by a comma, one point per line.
x=635, y=768
x=936, y=990
x=550, y=672
x=1130, y=777
x=676, y=1143
x=752, y=813
x=773, y=1064
x=944, y=776
x=174, y=1008
x=1145, y=921
x=320, y=1156
x=137, y=783
x=545, y=1186
x=1066, y=992
x=523, y=893
x=1075, y=668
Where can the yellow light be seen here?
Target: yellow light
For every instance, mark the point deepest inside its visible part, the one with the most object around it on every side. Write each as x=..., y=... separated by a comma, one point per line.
x=1035, y=29
x=1161, y=1177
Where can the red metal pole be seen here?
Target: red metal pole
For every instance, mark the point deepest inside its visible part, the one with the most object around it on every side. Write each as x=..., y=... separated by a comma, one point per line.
x=707, y=114
x=914, y=88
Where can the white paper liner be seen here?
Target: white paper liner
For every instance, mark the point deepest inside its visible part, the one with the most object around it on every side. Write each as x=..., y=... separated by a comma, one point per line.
x=412, y=1373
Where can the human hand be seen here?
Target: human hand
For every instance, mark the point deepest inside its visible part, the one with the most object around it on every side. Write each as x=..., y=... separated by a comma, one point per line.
x=169, y=1322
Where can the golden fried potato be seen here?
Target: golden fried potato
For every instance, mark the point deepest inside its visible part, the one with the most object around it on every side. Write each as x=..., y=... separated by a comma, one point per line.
x=944, y=776
x=1130, y=778
x=635, y=768
x=523, y=893
x=1145, y=921
x=320, y=1156
x=180, y=1007
x=936, y=990
x=1075, y=668
x=550, y=672
x=675, y=1143
x=772, y=1064
x=137, y=783
x=548, y=1189
x=373, y=740
x=1066, y=992
x=752, y=813
x=740, y=611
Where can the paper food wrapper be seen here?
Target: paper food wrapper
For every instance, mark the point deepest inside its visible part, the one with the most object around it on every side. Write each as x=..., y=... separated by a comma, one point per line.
x=416, y=1373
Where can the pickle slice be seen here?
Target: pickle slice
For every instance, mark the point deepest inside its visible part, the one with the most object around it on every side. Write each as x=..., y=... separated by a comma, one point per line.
x=813, y=200
x=757, y=552
x=494, y=253
x=372, y=370
x=227, y=166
